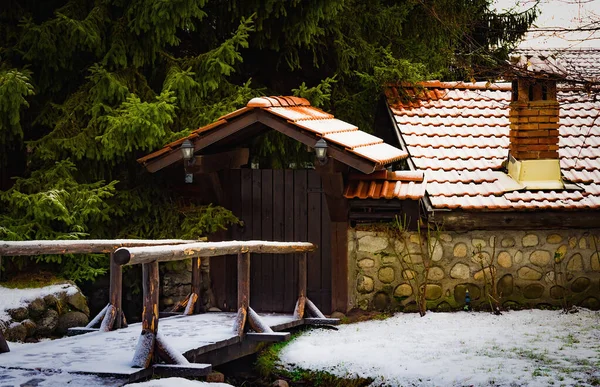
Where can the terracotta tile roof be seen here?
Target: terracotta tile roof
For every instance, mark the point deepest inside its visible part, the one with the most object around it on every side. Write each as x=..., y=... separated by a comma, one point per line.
x=458, y=135
x=298, y=112
x=583, y=63
x=386, y=185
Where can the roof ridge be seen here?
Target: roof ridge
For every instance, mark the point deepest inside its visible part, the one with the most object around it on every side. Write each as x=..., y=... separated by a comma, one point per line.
x=277, y=101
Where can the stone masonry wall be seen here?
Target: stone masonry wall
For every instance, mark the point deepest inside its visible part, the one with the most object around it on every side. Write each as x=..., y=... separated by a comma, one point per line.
x=531, y=268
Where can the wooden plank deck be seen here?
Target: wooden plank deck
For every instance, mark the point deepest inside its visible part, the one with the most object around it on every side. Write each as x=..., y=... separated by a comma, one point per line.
x=110, y=353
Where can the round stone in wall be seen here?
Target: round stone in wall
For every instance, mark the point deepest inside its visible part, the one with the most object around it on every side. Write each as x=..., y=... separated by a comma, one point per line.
x=478, y=242
x=560, y=253
x=403, y=290
x=461, y=290
x=436, y=249
x=518, y=257
x=540, y=258
x=583, y=243
x=508, y=242
x=530, y=240
x=575, y=263
x=433, y=292
x=482, y=258
x=366, y=263
x=554, y=238
x=506, y=285
x=505, y=259
x=528, y=273
x=460, y=271
x=533, y=291
x=580, y=284
x=572, y=242
x=557, y=292
x=409, y=274
x=386, y=274
x=372, y=244
x=446, y=237
x=435, y=273
x=595, y=258
x=485, y=274
x=381, y=301
x=591, y=303
x=460, y=250
x=365, y=284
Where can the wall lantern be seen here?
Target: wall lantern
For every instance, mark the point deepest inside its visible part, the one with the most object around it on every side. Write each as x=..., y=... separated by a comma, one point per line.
x=321, y=151
x=187, y=151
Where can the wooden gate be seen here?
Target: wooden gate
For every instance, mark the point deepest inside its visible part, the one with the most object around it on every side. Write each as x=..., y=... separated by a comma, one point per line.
x=278, y=205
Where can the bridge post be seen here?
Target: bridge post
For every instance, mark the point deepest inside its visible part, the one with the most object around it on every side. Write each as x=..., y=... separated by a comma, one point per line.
x=116, y=292
x=197, y=284
x=144, y=351
x=302, y=276
x=243, y=268
x=3, y=344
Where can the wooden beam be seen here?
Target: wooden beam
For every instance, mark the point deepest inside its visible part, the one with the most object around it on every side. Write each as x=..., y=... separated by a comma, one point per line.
x=144, y=352
x=197, y=283
x=313, y=310
x=191, y=370
x=116, y=292
x=232, y=159
x=167, y=353
x=271, y=337
x=96, y=320
x=76, y=331
x=217, y=187
x=243, y=283
x=304, y=137
x=302, y=281
x=17, y=248
x=339, y=266
x=333, y=186
x=138, y=255
x=322, y=321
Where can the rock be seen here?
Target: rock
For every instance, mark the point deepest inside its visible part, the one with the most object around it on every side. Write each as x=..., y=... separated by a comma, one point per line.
x=575, y=263
x=580, y=284
x=460, y=250
x=533, y=291
x=554, y=238
x=409, y=274
x=461, y=290
x=48, y=323
x=443, y=307
x=214, y=309
x=280, y=383
x=415, y=238
x=583, y=243
x=460, y=271
x=508, y=242
x=168, y=301
x=436, y=250
x=372, y=244
x=519, y=257
x=528, y=273
x=413, y=258
x=366, y=263
x=403, y=290
x=511, y=305
x=482, y=258
x=478, y=243
x=435, y=273
x=433, y=292
x=365, y=284
x=36, y=308
x=595, y=258
x=560, y=253
x=51, y=300
x=505, y=285
x=386, y=274
x=572, y=242
x=530, y=240
x=446, y=237
x=362, y=234
x=70, y=320
x=505, y=259
x=591, y=303
x=540, y=258
x=30, y=326
x=337, y=314
x=18, y=314
x=557, y=292
x=363, y=304
x=381, y=301
x=215, y=377
x=15, y=332
x=78, y=302
x=485, y=274
x=177, y=278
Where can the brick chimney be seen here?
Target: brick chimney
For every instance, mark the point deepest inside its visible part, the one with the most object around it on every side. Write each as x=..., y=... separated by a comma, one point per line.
x=534, y=115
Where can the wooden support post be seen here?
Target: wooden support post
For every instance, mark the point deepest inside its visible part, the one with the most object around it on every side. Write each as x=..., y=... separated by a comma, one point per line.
x=3, y=344
x=168, y=353
x=96, y=320
x=197, y=284
x=243, y=268
x=313, y=310
x=116, y=292
x=109, y=319
x=257, y=324
x=144, y=352
x=189, y=309
x=302, y=270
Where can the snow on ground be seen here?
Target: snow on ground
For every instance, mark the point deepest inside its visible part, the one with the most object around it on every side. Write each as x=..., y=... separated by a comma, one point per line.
x=177, y=382
x=15, y=298
x=532, y=348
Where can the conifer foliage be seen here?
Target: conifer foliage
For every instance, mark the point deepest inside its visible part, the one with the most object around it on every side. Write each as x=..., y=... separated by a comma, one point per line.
x=88, y=86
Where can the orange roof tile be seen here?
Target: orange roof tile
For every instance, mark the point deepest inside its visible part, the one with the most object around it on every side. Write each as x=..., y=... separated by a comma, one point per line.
x=386, y=185
x=457, y=134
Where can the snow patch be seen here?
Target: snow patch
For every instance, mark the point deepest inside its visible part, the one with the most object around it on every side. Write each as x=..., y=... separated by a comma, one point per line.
x=16, y=298
x=177, y=382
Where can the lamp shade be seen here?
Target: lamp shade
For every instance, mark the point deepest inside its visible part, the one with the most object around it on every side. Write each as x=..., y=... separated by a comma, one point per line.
x=321, y=149
x=187, y=150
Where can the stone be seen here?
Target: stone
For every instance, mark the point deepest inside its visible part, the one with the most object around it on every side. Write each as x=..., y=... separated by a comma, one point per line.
x=554, y=238
x=540, y=258
x=403, y=290
x=550, y=276
x=36, y=308
x=381, y=301
x=505, y=285
x=580, y=284
x=280, y=383
x=70, y=320
x=18, y=314
x=372, y=244
x=215, y=377
x=460, y=250
x=15, y=332
x=388, y=259
x=415, y=238
x=446, y=237
x=533, y=291
x=168, y=301
x=460, y=271
x=365, y=284
x=482, y=258
x=30, y=326
x=409, y=274
x=47, y=324
x=413, y=258
x=386, y=274
x=337, y=314
x=511, y=305
x=519, y=257
x=595, y=261
x=591, y=303
x=443, y=307
x=366, y=263
x=436, y=250
x=400, y=247
x=508, y=242
x=572, y=242
x=461, y=290
x=435, y=273
x=51, y=300
x=530, y=240
x=505, y=259
x=575, y=263
x=557, y=292
x=485, y=274
x=361, y=234
x=560, y=253
x=433, y=292
x=478, y=243
x=583, y=243
x=528, y=273
x=78, y=302
x=214, y=309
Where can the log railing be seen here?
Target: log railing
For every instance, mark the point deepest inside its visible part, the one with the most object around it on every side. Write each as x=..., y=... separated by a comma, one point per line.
x=152, y=346
x=111, y=317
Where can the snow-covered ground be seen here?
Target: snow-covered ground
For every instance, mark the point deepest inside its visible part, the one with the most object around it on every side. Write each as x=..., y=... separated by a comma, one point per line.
x=177, y=382
x=15, y=298
x=519, y=348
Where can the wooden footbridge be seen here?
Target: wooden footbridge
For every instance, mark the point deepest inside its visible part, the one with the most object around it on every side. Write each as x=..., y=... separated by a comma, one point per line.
x=189, y=342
